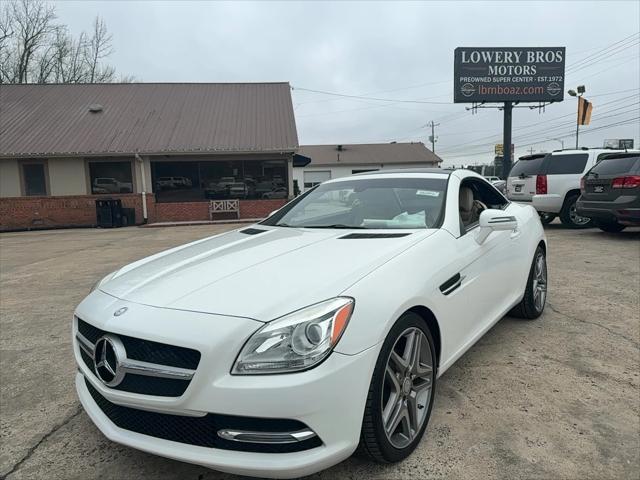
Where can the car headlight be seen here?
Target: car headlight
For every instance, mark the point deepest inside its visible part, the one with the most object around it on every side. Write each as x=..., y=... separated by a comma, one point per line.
x=297, y=341
x=102, y=280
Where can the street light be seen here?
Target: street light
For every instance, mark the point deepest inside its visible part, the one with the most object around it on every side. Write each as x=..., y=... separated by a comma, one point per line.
x=558, y=140
x=581, y=89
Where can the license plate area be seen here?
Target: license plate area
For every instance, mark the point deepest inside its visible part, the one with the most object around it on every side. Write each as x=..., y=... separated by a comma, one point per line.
x=517, y=188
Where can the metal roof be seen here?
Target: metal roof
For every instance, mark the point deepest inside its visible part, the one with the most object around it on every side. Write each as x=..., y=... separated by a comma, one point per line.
x=148, y=118
x=370, y=153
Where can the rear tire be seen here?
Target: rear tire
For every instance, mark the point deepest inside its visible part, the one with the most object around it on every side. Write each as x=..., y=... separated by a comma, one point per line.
x=569, y=217
x=535, y=295
x=611, y=227
x=547, y=218
x=400, y=390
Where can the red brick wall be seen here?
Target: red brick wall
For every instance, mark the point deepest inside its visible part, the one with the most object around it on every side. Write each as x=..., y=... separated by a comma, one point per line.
x=182, y=211
x=259, y=208
x=19, y=213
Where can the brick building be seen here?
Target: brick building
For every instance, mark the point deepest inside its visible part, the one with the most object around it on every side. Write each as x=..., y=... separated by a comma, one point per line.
x=166, y=150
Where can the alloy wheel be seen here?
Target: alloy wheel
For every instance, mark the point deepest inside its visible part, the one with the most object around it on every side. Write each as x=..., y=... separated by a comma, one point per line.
x=406, y=391
x=540, y=282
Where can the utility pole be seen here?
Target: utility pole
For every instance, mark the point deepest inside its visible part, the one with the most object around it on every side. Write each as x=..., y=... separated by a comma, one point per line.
x=432, y=138
x=531, y=151
x=506, y=142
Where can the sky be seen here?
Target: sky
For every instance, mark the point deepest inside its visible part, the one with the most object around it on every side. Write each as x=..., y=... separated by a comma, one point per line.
x=400, y=52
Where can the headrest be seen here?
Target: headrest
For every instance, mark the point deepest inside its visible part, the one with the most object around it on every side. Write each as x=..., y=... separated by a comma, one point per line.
x=466, y=199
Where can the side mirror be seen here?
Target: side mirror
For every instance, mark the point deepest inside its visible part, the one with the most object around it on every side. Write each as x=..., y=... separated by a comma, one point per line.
x=492, y=220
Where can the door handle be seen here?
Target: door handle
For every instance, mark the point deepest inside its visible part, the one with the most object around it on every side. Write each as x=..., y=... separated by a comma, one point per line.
x=452, y=284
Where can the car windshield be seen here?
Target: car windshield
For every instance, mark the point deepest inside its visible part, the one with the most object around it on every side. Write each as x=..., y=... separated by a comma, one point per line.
x=371, y=203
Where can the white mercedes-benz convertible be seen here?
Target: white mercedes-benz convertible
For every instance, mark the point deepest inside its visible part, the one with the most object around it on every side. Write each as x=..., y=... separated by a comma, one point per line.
x=278, y=349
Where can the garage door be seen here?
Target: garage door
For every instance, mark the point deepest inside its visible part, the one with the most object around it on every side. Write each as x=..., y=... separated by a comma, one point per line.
x=311, y=179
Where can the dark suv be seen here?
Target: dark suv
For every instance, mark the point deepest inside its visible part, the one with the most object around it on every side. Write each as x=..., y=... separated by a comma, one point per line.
x=611, y=192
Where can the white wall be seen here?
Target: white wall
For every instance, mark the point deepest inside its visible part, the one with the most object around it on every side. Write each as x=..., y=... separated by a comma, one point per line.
x=9, y=178
x=67, y=176
x=339, y=171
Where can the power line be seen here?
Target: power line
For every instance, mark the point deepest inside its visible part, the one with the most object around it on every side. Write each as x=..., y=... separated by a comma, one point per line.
x=362, y=97
x=545, y=132
x=565, y=134
x=605, y=51
x=536, y=124
x=382, y=91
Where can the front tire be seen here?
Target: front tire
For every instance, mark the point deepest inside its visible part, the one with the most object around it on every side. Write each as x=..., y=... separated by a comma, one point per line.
x=546, y=218
x=401, y=393
x=535, y=295
x=569, y=216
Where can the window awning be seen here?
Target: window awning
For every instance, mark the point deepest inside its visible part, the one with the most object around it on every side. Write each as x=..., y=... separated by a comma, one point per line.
x=301, y=160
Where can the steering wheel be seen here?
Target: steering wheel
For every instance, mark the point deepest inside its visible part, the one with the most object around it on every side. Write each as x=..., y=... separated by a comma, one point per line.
x=478, y=206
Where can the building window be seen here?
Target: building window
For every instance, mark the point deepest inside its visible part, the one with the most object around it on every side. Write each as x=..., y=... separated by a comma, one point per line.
x=313, y=178
x=192, y=181
x=111, y=177
x=34, y=177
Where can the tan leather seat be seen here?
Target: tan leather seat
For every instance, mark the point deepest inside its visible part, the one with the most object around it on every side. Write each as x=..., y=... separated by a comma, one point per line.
x=466, y=205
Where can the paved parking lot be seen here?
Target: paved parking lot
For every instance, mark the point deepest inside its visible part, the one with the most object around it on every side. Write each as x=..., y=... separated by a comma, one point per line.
x=553, y=398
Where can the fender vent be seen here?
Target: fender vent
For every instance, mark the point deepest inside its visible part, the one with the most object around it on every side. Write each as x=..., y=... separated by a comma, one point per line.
x=252, y=231
x=354, y=236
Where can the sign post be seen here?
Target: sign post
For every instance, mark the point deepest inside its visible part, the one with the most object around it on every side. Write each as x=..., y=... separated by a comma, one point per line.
x=506, y=157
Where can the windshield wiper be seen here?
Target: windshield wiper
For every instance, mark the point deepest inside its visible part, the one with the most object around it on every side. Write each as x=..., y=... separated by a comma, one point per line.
x=336, y=225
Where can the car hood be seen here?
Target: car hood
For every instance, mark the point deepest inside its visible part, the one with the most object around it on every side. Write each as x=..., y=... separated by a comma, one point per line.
x=261, y=276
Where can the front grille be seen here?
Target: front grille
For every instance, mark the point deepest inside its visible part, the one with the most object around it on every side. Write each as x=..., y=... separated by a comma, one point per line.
x=201, y=431
x=146, y=351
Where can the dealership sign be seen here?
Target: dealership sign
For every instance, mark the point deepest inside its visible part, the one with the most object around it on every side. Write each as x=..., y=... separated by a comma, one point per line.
x=509, y=74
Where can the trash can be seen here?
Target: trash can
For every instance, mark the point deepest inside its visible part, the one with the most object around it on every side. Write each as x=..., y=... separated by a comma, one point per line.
x=109, y=212
x=128, y=217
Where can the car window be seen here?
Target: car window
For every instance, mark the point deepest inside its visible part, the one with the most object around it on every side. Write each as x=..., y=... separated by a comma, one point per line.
x=613, y=166
x=372, y=203
x=565, y=164
x=479, y=195
x=527, y=167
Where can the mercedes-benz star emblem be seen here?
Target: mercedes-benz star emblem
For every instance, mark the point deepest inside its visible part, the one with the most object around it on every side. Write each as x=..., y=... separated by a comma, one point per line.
x=108, y=353
x=120, y=311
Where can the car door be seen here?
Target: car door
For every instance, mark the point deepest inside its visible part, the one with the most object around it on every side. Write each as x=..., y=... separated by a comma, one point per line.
x=564, y=171
x=481, y=287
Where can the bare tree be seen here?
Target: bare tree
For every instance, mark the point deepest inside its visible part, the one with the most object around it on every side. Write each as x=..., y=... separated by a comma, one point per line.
x=33, y=25
x=35, y=49
x=99, y=47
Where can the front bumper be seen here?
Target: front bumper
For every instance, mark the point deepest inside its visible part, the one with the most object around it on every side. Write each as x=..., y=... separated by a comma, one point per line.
x=328, y=399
